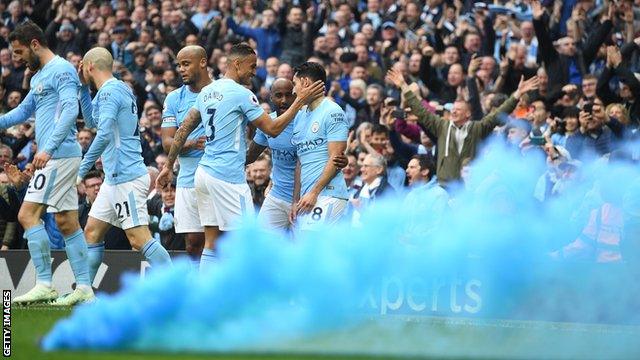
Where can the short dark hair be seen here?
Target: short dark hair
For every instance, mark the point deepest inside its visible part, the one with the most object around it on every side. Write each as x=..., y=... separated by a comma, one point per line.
x=93, y=174
x=26, y=32
x=152, y=106
x=295, y=7
x=311, y=70
x=571, y=112
x=241, y=50
x=379, y=129
x=426, y=163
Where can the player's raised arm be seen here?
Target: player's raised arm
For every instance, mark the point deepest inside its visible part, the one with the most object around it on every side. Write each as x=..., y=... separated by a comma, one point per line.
x=189, y=124
x=20, y=114
x=275, y=127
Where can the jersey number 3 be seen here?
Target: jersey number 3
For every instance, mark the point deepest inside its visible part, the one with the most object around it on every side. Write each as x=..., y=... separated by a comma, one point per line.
x=211, y=112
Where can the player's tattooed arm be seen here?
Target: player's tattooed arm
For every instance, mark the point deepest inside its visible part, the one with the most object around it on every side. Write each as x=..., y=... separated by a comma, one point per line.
x=189, y=124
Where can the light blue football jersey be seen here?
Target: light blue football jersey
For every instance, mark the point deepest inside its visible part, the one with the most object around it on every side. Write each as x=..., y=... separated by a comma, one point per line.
x=312, y=132
x=176, y=106
x=283, y=158
x=225, y=107
x=114, y=111
x=54, y=99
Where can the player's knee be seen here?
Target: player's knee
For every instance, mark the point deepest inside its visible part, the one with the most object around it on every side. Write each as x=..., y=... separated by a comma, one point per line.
x=66, y=222
x=28, y=217
x=138, y=242
x=138, y=236
x=91, y=234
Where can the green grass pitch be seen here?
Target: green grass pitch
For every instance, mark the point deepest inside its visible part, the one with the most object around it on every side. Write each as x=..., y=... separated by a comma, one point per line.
x=392, y=337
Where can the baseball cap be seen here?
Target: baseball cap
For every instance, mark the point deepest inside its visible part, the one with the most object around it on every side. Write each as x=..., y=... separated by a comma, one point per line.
x=388, y=25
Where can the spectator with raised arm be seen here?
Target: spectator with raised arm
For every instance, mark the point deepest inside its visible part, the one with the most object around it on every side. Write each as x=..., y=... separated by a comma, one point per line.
x=458, y=138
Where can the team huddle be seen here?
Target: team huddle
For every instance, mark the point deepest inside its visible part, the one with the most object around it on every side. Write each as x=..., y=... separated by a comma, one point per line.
x=203, y=128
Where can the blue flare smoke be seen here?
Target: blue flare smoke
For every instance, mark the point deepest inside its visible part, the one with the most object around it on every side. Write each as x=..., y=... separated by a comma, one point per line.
x=268, y=290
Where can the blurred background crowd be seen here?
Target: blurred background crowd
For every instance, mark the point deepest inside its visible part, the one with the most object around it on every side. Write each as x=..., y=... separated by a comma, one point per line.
x=586, y=54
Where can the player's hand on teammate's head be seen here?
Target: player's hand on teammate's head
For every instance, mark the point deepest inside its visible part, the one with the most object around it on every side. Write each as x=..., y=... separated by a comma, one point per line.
x=340, y=161
x=309, y=93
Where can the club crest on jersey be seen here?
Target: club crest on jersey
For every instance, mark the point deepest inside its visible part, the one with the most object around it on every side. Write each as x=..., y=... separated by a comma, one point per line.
x=315, y=127
x=39, y=88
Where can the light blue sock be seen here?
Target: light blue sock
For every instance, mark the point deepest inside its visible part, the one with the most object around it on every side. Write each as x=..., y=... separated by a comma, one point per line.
x=38, y=242
x=208, y=260
x=76, y=248
x=155, y=253
x=95, y=258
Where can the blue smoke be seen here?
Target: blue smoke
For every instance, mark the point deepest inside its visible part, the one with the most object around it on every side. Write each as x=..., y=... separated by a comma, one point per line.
x=267, y=290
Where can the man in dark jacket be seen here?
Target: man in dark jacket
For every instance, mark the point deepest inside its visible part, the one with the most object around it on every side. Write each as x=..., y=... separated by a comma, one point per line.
x=297, y=36
x=63, y=37
x=629, y=94
x=566, y=63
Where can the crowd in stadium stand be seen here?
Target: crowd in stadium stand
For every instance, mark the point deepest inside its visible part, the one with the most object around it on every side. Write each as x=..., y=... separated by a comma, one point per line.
x=586, y=55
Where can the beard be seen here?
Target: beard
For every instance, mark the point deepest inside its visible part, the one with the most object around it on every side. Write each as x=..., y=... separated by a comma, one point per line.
x=189, y=81
x=92, y=83
x=33, y=61
x=34, y=64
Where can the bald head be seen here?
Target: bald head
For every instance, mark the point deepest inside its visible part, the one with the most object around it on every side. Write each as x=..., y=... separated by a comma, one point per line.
x=282, y=84
x=192, y=66
x=282, y=94
x=99, y=58
x=194, y=52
